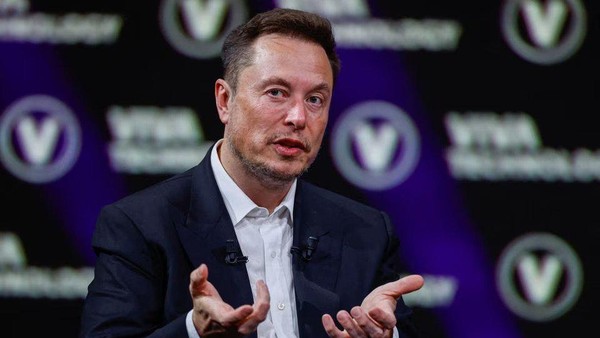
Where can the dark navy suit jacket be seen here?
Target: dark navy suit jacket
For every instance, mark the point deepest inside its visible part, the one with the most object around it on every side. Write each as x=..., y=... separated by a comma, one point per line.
x=148, y=243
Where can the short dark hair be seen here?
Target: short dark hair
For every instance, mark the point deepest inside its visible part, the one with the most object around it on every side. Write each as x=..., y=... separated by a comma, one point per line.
x=237, y=52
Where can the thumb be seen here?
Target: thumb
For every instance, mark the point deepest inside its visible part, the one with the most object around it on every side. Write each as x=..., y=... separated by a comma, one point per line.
x=403, y=285
x=198, y=280
x=375, y=302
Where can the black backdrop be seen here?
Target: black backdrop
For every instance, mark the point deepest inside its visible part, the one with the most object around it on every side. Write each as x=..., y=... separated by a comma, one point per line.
x=472, y=123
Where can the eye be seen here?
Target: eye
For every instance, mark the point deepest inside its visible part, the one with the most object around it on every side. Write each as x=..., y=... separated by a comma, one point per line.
x=316, y=100
x=275, y=92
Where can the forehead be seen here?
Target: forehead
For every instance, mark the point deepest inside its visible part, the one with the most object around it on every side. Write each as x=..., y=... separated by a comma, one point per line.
x=289, y=57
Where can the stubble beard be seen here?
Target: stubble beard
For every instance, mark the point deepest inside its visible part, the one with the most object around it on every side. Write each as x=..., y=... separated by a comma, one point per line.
x=265, y=174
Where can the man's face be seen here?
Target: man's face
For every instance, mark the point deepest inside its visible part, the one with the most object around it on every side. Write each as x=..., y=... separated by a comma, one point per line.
x=275, y=122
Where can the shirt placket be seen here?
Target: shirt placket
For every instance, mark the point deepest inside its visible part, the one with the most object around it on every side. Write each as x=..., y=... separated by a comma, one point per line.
x=272, y=233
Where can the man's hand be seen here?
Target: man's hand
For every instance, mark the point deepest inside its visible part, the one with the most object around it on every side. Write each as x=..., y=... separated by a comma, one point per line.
x=214, y=318
x=374, y=318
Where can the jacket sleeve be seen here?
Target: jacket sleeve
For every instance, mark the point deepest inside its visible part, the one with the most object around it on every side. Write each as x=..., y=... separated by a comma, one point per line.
x=126, y=296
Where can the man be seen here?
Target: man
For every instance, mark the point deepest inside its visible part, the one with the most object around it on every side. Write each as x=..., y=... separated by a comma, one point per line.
x=297, y=253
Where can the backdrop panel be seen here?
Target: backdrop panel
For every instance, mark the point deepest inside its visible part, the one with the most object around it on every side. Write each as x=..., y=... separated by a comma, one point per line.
x=472, y=123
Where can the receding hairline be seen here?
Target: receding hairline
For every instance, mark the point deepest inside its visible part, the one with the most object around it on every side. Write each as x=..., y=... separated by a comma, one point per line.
x=253, y=51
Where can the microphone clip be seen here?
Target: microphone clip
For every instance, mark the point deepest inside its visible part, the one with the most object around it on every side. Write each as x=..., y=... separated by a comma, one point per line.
x=232, y=253
x=308, y=250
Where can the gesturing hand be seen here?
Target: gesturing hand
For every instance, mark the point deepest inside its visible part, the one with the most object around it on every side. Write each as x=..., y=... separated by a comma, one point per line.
x=374, y=318
x=213, y=317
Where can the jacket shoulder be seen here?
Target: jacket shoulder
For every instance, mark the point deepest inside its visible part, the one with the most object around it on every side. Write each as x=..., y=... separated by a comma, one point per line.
x=171, y=192
x=331, y=199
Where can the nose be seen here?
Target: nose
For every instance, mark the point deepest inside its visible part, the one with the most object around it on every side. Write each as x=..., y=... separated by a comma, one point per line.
x=296, y=116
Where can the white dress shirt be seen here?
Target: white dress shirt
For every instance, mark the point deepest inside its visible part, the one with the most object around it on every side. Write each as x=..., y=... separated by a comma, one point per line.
x=266, y=240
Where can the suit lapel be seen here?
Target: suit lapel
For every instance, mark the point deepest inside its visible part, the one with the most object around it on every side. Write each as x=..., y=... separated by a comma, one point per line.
x=204, y=235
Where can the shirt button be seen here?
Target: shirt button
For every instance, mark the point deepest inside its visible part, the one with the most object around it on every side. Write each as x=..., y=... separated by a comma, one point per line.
x=273, y=254
x=281, y=306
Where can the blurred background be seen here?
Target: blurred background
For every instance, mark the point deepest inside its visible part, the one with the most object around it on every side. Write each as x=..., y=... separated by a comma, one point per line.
x=472, y=123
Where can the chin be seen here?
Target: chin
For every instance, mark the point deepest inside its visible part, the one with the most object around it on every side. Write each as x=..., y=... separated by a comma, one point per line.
x=287, y=170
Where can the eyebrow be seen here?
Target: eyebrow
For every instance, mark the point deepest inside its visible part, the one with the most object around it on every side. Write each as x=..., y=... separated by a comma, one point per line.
x=323, y=86
x=283, y=82
x=274, y=80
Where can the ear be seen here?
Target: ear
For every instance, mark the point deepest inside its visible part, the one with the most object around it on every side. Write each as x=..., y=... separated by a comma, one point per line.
x=222, y=97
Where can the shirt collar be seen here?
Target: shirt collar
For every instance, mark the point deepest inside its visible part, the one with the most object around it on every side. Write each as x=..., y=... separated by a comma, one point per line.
x=238, y=204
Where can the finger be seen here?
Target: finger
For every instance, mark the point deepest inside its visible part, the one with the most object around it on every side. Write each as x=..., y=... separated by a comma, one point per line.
x=233, y=317
x=223, y=319
x=384, y=318
x=350, y=325
x=330, y=328
x=260, y=309
x=403, y=285
x=198, y=278
x=263, y=300
x=371, y=328
x=199, y=284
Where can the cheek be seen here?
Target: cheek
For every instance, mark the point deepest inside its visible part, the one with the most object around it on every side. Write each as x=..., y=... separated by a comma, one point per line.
x=257, y=117
x=318, y=128
x=250, y=131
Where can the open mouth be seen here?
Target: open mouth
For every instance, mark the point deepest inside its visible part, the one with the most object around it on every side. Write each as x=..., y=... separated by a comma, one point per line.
x=290, y=147
x=291, y=143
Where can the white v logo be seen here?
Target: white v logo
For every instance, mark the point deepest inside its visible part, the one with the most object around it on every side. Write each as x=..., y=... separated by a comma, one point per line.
x=544, y=24
x=38, y=143
x=376, y=147
x=539, y=281
x=203, y=18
